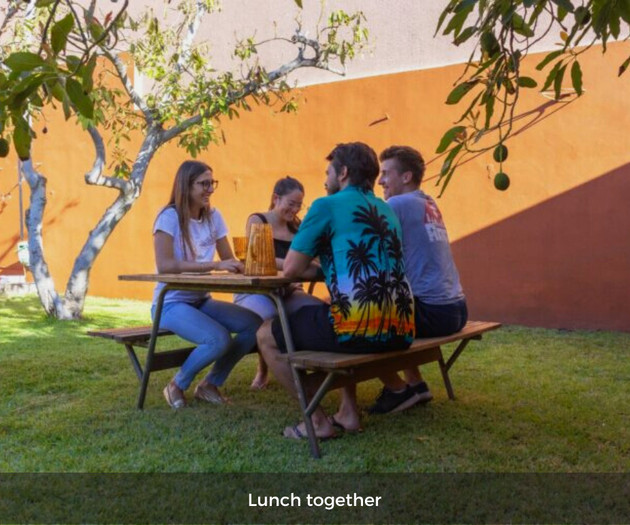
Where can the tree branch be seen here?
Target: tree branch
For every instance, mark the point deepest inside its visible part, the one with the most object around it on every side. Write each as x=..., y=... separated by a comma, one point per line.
x=12, y=10
x=121, y=71
x=95, y=175
x=106, y=30
x=252, y=86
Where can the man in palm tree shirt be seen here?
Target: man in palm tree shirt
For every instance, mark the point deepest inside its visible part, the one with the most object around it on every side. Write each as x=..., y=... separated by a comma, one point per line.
x=440, y=305
x=357, y=238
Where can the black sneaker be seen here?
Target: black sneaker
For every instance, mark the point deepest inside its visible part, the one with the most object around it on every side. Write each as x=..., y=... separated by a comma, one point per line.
x=422, y=391
x=389, y=401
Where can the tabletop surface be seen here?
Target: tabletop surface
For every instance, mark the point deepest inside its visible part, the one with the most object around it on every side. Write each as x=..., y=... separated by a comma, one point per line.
x=217, y=278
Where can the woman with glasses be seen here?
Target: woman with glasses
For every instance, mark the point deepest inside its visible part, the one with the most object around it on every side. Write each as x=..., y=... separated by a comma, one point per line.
x=187, y=233
x=286, y=202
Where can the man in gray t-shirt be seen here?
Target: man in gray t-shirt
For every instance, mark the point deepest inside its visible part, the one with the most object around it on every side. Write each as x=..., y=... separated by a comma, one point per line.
x=440, y=305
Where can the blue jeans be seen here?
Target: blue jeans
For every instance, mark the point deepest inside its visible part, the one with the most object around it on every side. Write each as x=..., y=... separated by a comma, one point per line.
x=209, y=325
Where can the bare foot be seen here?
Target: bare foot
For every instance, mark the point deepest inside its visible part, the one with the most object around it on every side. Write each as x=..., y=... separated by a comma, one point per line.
x=299, y=432
x=352, y=425
x=260, y=381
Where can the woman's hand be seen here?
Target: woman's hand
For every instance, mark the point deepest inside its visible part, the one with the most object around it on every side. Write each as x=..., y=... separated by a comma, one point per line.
x=229, y=265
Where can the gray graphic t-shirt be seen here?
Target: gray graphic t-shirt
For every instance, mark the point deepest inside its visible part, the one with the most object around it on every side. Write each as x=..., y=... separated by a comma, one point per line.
x=429, y=262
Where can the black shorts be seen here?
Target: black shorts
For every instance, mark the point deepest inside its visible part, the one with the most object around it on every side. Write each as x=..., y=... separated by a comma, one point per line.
x=311, y=329
x=438, y=320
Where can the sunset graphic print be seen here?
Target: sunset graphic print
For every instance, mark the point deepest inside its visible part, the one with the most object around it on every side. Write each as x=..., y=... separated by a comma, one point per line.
x=371, y=300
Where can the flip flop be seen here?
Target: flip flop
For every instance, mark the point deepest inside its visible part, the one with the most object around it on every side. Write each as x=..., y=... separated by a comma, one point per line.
x=340, y=428
x=295, y=433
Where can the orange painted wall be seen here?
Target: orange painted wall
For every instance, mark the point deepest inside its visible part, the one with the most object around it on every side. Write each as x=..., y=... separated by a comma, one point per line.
x=551, y=251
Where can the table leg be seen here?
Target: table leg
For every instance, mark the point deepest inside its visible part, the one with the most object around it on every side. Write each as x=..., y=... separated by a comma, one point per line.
x=151, y=350
x=299, y=387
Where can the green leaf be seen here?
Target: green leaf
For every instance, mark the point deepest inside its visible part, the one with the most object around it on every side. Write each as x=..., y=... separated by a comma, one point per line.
x=88, y=73
x=562, y=14
x=22, y=138
x=299, y=3
x=458, y=93
x=551, y=76
x=457, y=21
x=465, y=4
x=614, y=24
x=24, y=61
x=464, y=35
x=446, y=178
x=81, y=101
x=557, y=82
x=576, y=77
x=56, y=90
x=43, y=3
x=23, y=91
x=60, y=31
x=564, y=4
x=489, y=111
x=446, y=166
x=623, y=67
x=551, y=56
x=447, y=11
x=623, y=7
x=489, y=43
x=449, y=137
x=527, y=82
x=73, y=63
x=520, y=26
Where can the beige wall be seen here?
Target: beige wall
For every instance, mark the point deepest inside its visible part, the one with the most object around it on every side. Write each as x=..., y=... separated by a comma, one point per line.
x=401, y=34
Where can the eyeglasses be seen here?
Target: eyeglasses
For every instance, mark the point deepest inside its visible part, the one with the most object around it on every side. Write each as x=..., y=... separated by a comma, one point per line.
x=207, y=184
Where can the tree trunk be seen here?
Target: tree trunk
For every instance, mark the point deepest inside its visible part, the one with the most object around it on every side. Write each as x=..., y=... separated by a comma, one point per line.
x=79, y=280
x=71, y=305
x=48, y=296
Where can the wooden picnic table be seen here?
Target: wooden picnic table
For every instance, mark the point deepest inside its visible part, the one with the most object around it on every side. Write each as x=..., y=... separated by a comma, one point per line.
x=230, y=283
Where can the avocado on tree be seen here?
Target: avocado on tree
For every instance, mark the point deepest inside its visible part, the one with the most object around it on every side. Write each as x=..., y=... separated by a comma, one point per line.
x=503, y=33
x=49, y=56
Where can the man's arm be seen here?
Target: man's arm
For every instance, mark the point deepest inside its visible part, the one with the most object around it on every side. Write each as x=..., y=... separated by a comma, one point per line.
x=298, y=264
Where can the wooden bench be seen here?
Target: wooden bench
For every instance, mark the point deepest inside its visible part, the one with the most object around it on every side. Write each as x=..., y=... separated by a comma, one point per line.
x=321, y=372
x=139, y=336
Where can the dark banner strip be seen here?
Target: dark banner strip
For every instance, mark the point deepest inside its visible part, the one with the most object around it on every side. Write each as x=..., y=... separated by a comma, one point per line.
x=314, y=498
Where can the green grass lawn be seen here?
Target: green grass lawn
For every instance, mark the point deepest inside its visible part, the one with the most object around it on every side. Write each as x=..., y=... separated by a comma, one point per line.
x=528, y=400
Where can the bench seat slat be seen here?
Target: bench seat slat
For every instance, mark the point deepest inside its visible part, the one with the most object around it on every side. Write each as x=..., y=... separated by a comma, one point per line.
x=127, y=335
x=308, y=359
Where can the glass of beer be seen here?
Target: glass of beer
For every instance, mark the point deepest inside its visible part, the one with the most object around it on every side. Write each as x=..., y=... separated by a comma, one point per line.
x=240, y=247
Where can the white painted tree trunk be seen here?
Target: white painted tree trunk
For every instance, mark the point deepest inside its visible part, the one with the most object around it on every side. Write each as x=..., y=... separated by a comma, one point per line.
x=70, y=306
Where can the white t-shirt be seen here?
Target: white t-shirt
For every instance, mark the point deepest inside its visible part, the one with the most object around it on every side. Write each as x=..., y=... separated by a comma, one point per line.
x=203, y=236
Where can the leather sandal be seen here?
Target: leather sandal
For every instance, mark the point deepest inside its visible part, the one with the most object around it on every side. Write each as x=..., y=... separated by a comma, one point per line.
x=209, y=395
x=174, y=396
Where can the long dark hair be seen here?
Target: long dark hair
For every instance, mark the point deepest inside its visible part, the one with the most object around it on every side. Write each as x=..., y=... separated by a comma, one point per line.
x=283, y=187
x=187, y=174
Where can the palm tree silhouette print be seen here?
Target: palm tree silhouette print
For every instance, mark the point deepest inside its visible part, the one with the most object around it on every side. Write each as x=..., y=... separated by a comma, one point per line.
x=339, y=302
